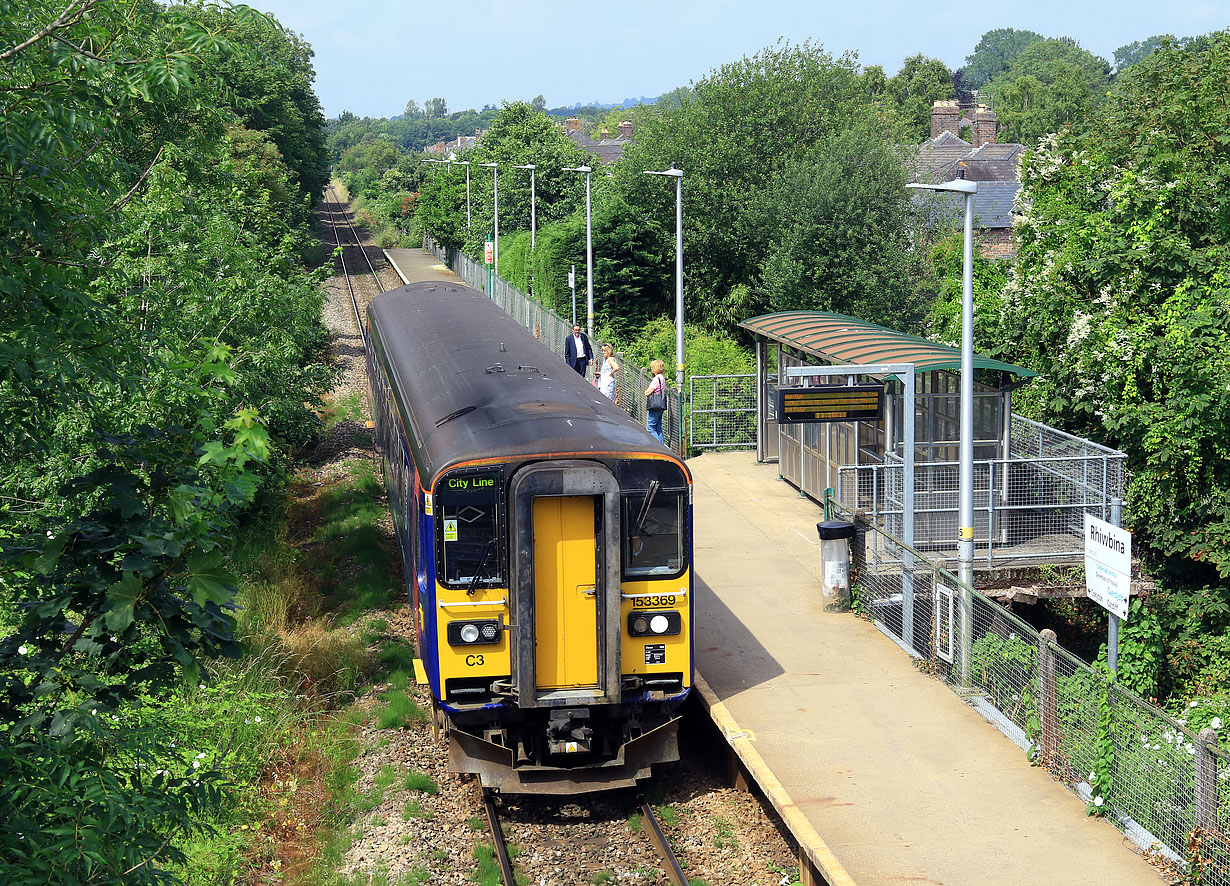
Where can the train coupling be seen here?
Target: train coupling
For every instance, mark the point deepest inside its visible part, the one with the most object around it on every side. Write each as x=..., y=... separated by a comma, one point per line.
x=569, y=731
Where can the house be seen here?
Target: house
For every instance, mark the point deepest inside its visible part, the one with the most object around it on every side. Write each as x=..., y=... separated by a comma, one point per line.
x=996, y=168
x=606, y=148
x=460, y=143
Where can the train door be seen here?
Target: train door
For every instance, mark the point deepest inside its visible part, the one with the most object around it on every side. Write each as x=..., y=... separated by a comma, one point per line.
x=565, y=583
x=566, y=591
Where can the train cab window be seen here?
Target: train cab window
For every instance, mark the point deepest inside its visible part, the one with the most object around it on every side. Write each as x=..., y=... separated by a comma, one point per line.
x=469, y=529
x=653, y=537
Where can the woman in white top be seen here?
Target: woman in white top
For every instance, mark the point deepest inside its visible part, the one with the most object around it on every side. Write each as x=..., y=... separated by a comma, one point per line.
x=606, y=373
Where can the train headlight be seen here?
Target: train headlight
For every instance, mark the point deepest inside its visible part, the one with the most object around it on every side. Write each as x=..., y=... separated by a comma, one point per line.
x=665, y=623
x=473, y=633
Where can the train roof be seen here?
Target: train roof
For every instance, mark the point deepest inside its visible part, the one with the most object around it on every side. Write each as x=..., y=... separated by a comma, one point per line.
x=472, y=383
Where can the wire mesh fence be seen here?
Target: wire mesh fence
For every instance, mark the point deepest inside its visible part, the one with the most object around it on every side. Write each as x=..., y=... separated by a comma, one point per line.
x=722, y=411
x=1026, y=509
x=552, y=330
x=1162, y=784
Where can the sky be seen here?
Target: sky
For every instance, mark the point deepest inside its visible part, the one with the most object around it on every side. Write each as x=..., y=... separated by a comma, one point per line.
x=372, y=56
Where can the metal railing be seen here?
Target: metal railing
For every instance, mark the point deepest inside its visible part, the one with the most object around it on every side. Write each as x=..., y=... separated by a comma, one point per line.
x=1026, y=509
x=722, y=411
x=1160, y=783
x=552, y=330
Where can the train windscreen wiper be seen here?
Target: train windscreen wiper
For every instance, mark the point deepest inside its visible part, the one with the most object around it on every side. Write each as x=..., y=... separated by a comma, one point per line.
x=490, y=546
x=650, y=494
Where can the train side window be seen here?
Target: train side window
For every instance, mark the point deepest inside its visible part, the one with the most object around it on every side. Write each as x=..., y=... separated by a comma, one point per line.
x=469, y=514
x=653, y=534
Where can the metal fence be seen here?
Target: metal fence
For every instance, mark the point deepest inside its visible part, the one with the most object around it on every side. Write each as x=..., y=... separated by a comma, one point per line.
x=722, y=411
x=1028, y=507
x=552, y=330
x=1160, y=782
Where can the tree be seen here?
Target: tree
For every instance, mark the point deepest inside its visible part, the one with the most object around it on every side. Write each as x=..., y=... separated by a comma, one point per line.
x=1131, y=53
x=539, y=103
x=914, y=89
x=1049, y=84
x=995, y=53
x=730, y=135
x=413, y=111
x=435, y=108
x=1119, y=300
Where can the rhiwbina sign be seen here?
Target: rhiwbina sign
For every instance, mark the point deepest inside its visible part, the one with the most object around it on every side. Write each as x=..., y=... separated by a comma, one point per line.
x=1108, y=565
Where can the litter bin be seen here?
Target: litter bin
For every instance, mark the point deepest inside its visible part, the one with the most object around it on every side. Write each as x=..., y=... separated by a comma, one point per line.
x=835, y=538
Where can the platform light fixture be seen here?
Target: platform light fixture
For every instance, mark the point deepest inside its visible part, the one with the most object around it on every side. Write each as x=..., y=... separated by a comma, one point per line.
x=677, y=175
x=495, y=194
x=589, y=252
x=965, y=528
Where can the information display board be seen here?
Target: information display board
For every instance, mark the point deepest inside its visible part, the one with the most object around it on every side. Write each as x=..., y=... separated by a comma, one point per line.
x=821, y=403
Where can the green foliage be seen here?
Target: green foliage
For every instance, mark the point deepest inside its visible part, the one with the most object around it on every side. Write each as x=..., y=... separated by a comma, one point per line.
x=914, y=89
x=1049, y=84
x=944, y=282
x=1101, y=779
x=995, y=53
x=1118, y=299
x=1004, y=668
x=1141, y=651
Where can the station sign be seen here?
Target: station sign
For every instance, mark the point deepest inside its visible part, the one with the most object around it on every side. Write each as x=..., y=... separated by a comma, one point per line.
x=489, y=252
x=823, y=403
x=1108, y=565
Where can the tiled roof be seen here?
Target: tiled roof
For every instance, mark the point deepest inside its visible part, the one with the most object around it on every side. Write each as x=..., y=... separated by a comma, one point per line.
x=608, y=150
x=942, y=158
x=993, y=204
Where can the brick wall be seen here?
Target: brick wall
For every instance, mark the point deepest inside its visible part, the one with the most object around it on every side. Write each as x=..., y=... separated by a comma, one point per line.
x=997, y=242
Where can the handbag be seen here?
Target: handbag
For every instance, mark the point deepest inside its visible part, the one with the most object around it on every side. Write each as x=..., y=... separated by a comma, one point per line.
x=655, y=401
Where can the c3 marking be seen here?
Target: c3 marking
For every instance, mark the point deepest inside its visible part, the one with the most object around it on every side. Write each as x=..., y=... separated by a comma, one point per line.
x=474, y=660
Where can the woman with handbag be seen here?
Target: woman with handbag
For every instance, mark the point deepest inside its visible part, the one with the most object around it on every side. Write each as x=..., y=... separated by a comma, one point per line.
x=655, y=400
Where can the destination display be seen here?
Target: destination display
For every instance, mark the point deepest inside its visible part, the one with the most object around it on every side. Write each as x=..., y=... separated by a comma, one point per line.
x=830, y=403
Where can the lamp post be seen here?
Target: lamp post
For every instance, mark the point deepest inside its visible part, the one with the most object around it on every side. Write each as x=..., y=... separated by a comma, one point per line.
x=677, y=175
x=965, y=522
x=533, y=216
x=589, y=252
x=495, y=194
x=466, y=164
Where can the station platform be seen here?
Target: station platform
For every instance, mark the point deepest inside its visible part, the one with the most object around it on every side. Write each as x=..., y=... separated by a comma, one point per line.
x=416, y=265
x=881, y=772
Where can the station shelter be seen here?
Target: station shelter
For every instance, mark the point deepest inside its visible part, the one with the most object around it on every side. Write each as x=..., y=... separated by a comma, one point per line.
x=1032, y=483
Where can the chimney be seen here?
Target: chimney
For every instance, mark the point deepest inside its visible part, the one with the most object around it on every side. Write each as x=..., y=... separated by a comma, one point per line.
x=605, y=134
x=945, y=117
x=625, y=129
x=984, y=126
x=572, y=124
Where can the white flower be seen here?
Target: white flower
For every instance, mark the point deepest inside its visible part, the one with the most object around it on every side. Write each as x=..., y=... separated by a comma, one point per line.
x=196, y=764
x=93, y=712
x=1192, y=704
x=1215, y=722
x=1092, y=776
x=1190, y=749
x=23, y=650
x=201, y=755
x=258, y=719
x=49, y=533
x=1098, y=801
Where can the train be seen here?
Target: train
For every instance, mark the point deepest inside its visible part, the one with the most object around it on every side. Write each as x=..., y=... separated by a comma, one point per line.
x=547, y=544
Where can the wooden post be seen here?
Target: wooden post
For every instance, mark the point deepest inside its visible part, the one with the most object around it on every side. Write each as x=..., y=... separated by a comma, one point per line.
x=1206, y=781
x=808, y=875
x=1048, y=707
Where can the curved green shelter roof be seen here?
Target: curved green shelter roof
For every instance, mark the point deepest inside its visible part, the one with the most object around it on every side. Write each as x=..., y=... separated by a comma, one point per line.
x=839, y=339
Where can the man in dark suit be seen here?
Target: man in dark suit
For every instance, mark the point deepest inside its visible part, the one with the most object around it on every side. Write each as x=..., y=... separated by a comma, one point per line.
x=577, y=352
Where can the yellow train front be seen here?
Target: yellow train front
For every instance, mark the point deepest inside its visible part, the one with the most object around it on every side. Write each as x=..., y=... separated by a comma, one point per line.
x=547, y=545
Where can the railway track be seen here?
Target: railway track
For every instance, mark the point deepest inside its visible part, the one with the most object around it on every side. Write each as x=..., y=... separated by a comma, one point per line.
x=651, y=828
x=363, y=279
